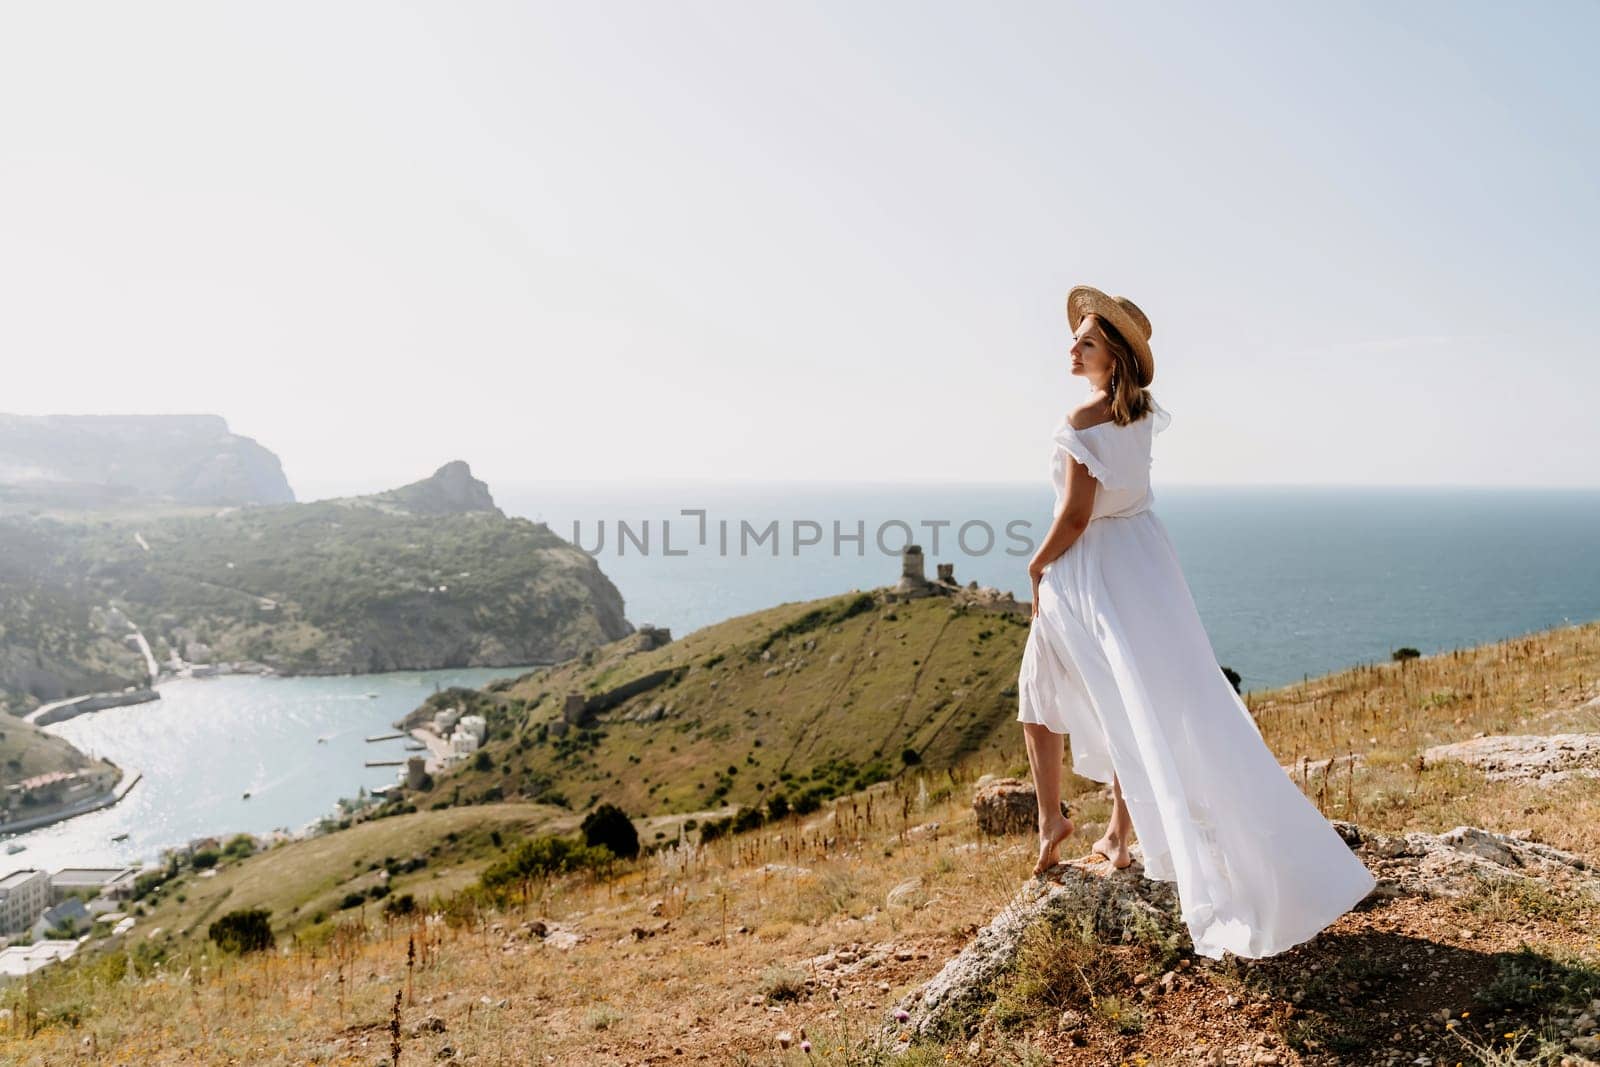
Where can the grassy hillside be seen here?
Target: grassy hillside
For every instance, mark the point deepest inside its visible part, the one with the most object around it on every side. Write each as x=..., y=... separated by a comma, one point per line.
x=306, y=883
x=817, y=923
x=807, y=699
x=813, y=699
x=26, y=751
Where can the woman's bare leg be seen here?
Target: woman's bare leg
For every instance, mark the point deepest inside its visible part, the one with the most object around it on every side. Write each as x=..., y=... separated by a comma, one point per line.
x=1044, y=758
x=1114, y=844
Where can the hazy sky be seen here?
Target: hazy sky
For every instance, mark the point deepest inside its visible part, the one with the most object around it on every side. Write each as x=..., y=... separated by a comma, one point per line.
x=727, y=241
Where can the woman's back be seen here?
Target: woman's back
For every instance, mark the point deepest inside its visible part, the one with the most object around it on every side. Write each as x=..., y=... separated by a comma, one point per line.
x=1118, y=457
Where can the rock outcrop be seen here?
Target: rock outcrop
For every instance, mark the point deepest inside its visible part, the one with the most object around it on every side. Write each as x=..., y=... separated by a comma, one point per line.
x=107, y=460
x=1118, y=903
x=1543, y=759
x=1123, y=905
x=1006, y=806
x=450, y=490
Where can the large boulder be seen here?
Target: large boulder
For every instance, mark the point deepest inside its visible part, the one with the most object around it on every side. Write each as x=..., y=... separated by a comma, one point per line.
x=1006, y=806
x=1116, y=902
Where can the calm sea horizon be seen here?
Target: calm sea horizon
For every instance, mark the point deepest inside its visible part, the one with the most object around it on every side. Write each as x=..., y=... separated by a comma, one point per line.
x=1290, y=581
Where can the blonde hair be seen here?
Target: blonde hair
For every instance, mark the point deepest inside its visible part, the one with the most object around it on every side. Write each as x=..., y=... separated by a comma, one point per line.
x=1129, y=400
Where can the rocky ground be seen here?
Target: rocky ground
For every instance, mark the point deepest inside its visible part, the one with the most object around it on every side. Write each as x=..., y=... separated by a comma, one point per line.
x=1543, y=759
x=1434, y=962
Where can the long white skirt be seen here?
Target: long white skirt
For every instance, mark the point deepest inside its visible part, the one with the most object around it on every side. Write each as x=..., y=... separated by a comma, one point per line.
x=1118, y=659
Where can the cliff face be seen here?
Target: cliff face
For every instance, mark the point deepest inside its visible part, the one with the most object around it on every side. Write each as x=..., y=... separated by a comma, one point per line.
x=100, y=460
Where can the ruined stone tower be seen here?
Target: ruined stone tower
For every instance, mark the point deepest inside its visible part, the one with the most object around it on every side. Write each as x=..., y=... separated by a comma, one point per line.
x=913, y=580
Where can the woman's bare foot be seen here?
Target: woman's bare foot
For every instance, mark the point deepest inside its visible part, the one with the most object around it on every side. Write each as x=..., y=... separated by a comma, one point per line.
x=1050, y=839
x=1114, y=849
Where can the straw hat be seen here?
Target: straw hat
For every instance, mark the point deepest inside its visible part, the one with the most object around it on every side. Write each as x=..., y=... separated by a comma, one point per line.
x=1122, y=313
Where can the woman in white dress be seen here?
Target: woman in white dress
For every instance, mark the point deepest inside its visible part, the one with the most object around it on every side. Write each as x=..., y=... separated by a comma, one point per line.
x=1117, y=657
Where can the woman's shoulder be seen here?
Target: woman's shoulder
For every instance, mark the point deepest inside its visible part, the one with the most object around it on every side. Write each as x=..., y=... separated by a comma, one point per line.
x=1091, y=412
x=1096, y=411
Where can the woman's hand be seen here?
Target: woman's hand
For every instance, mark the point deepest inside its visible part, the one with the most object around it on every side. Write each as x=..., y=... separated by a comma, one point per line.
x=1036, y=574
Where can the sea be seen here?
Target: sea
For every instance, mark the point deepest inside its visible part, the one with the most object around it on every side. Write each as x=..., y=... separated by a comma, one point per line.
x=1290, y=582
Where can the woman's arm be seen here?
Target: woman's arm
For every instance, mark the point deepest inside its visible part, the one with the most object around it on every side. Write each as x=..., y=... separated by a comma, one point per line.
x=1068, y=525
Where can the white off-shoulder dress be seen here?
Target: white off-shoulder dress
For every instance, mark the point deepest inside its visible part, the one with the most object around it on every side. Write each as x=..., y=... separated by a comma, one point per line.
x=1118, y=659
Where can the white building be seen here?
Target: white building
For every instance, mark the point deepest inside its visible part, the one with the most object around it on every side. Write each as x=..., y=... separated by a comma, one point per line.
x=23, y=897
x=19, y=960
x=114, y=882
x=476, y=725
x=463, y=743
x=444, y=720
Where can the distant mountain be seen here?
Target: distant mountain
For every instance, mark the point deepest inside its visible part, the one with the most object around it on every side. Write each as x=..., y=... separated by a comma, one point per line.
x=98, y=461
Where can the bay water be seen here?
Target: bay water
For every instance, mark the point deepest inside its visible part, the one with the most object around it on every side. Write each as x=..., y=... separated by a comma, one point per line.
x=209, y=741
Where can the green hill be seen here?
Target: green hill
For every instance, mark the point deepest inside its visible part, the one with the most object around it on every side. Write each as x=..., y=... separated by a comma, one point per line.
x=27, y=751
x=808, y=700
x=430, y=575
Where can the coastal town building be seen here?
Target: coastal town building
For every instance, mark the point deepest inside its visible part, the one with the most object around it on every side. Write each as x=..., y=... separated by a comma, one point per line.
x=463, y=743
x=71, y=916
x=20, y=960
x=51, y=788
x=113, y=882
x=24, y=895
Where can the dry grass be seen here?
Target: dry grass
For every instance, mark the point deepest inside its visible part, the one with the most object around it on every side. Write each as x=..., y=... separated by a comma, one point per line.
x=701, y=954
x=1390, y=713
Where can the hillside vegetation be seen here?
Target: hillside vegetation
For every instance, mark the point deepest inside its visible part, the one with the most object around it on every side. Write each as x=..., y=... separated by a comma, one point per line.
x=805, y=701
x=27, y=751
x=431, y=575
